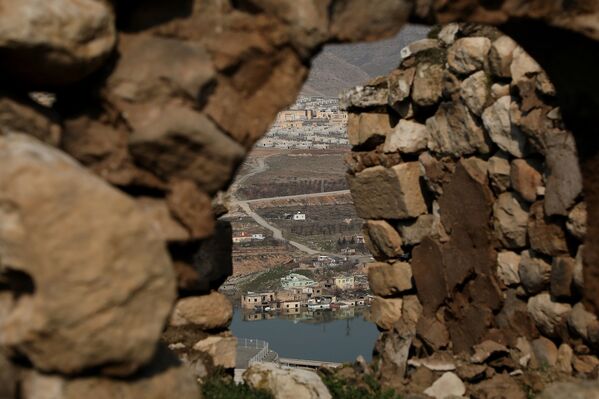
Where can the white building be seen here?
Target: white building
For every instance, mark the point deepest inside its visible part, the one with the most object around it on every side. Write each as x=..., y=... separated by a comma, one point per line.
x=258, y=236
x=299, y=216
x=295, y=280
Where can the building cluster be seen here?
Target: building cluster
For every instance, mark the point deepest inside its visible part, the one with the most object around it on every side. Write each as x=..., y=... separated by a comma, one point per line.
x=300, y=293
x=243, y=236
x=311, y=123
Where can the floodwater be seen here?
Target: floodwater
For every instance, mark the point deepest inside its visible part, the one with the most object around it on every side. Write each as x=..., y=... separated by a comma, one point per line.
x=333, y=336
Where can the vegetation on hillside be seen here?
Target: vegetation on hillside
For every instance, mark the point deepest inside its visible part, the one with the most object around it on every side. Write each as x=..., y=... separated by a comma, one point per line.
x=369, y=389
x=222, y=386
x=271, y=279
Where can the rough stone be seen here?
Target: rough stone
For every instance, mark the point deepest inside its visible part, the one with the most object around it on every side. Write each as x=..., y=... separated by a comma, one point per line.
x=386, y=312
x=428, y=84
x=562, y=275
x=514, y=320
x=436, y=173
x=411, y=312
x=475, y=92
x=373, y=94
x=66, y=329
x=445, y=386
x=508, y=265
x=545, y=352
x=418, y=46
x=163, y=377
x=534, y=272
x=43, y=52
x=432, y=332
x=499, y=172
x=381, y=193
x=571, y=390
x=578, y=269
x=510, y=219
x=414, y=231
x=448, y=33
x=547, y=314
x=499, y=386
x=525, y=179
x=364, y=126
x=286, y=383
x=8, y=378
x=577, y=221
x=382, y=240
x=547, y=235
x=192, y=207
x=438, y=361
x=468, y=54
x=499, y=90
x=580, y=321
x=221, y=349
x=486, y=350
x=502, y=131
x=161, y=220
x=407, y=137
x=400, y=86
x=500, y=56
x=564, y=358
x=23, y=116
x=585, y=364
x=523, y=65
x=454, y=131
x=429, y=275
x=206, y=312
x=388, y=280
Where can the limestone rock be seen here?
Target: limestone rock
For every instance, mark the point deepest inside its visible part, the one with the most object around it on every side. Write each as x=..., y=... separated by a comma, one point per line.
x=382, y=239
x=468, y=54
x=503, y=132
x=564, y=358
x=56, y=324
x=407, y=137
x=448, y=33
x=546, y=234
x=381, y=193
x=545, y=352
x=508, y=265
x=446, y=386
x=546, y=313
x=577, y=221
x=163, y=377
x=414, y=231
x=373, y=94
x=525, y=179
x=562, y=276
x=386, y=312
x=428, y=84
x=362, y=127
x=418, y=47
x=535, y=273
x=571, y=390
x=55, y=43
x=510, y=219
x=500, y=56
x=475, y=92
x=206, y=312
x=499, y=172
x=286, y=383
x=400, y=86
x=454, y=131
x=523, y=65
x=388, y=280
x=221, y=349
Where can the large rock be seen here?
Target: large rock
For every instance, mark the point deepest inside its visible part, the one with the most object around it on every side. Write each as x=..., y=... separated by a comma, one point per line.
x=547, y=234
x=388, y=280
x=581, y=321
x=192, y=207
x=385, y=312
x=510, y=218
x=562, y=277
x=222, y=349
x=475, y=92
x=407, y=137
x=503, y=132
x=400, y=85
x=286, y=383
x=412, y=232
x=55, y=43
x=83, y=302
x=206, y=312
x=545, y=352
x=500, y=386
x=499, y=172
x=373, y=94
x=448, y=385
x=523, y=65
x=394, y=193
x=577, y=221
x=454, y=131
x=364, y=126
x=163, y=377
x=508, y=265
x=382, y=240
x=534, y=272
x=501, y=55
x=428, y=84
x=571, y=390
x=22, y=116
x=548, y=315
x=468, y=54
x=526, y=179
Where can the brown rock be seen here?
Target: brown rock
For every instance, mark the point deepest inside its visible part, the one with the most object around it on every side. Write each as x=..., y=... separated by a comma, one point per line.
x=545, y=352
x=454, y=131
x=546, y=234
x=498, y=122
x=9, y=378
x=55, y=323
x=407, y=137
x=499, y=172
x=500, y=386
x=428, y=84
x=161, y=220
x=418, y=47
x=364, y=126
x=580, y=320
x=508, y=265
x=475, y=92
x=399, y=82
x=436, y=173
x=525, y=179
x=373, y=94
x=510, y=218
x=192, y=208
x=548, y=315
x=432, y=332
x=577, y=221
x=412, y=232
x=562, y=274
x=564, y=359
x=571, y=390
x=468, y=54
x=429, y=275
x=222, y=349
x=585, y=364
x=514, y=319
x=471, y=372
x=385, y=312
x=206, y=312
x=486, y=350
x=468, y=325
x=382, y=240
x=394, y=193
x=22, y=116
x=388, y=280
x=535, y=273
x=500, y=56
x=411, y=311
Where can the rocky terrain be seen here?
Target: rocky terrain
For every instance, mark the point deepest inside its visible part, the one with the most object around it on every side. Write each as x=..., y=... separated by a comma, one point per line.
x=121, y=121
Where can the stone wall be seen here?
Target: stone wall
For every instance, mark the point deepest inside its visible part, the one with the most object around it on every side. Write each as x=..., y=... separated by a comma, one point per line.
x=472, y=192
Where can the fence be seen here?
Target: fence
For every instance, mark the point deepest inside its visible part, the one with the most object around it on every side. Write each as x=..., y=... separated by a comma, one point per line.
x=263, y=353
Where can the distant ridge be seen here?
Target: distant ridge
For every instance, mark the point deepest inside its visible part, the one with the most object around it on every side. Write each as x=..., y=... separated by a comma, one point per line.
x=341, y=66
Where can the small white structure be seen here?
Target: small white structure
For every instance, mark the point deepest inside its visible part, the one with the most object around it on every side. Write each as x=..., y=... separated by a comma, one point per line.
x=299, y=216
x=295, y=280
x=258, y=236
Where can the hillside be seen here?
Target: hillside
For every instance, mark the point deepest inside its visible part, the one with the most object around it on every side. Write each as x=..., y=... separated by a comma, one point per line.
x=341, y=66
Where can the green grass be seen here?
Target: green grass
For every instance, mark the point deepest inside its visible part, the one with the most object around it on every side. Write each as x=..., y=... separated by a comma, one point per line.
x=222, y=386
x=372, y=389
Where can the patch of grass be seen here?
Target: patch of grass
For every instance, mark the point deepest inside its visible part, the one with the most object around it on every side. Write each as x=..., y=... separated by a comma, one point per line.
x=268, y=280
x=222, y=386
x=341, y=389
